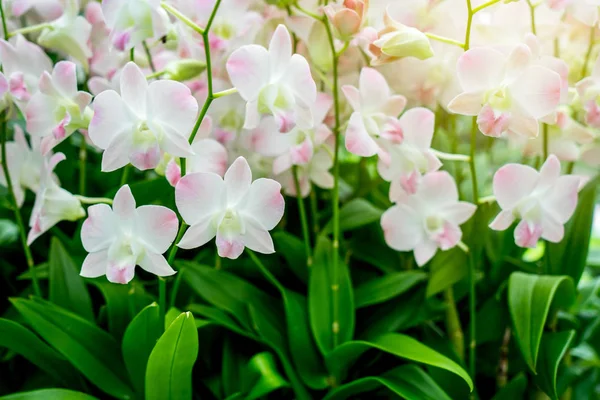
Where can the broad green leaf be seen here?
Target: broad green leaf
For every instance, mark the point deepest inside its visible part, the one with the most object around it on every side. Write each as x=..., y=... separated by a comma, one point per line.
x=231, y=368
x=407, y=381
x=292, y=249
x=66, y=286
x=49, y=394
x=220, y=318
x=266, y=377
x=569, y=256
x=321, y=287
x=354, y=214
x=515, y=389
x=138, y=341
x=552, y=349
x=21, y=340
x=529, y=300
x=368, y=245
x=169, y=371
x=397, y=344
x=447, y=268
x=386, y=287
x=91, y=350
x=42, y=271
x=9, y=232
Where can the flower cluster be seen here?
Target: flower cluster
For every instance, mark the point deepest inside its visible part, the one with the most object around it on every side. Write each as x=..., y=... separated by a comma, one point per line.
x=209, y=94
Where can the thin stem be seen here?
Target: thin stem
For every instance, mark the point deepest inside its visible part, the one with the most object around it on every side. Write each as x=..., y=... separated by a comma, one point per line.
x=545, y=140
x=132, y=54
x=29, y=29
x=461, y=245
x=82, y=165
x=270, y=277
x=225, y=93
x=15, y=206
x=588, y=54
x=336, y=188
x=4, y=27
x=484, y=5
x=453, y=326
x=472, y=161
x=93, y=200
x=487, y=199
x=149, y=56
x=532, y=16
x=173, y=251
x=473, y=316
x=470, y=14
x=156, y=74
x=309, y=13
x=125, y=174
x=175, y=289
x=303, y=219
x=502, y=377
x=174, y=12
x=443, y=39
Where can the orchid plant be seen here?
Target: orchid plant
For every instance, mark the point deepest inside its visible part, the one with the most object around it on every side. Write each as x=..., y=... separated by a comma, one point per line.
x=414, y=178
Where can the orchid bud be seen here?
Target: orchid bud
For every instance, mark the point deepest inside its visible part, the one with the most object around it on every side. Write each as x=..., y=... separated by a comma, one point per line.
x=397, y=41
x=183, y=70
x=347, y=20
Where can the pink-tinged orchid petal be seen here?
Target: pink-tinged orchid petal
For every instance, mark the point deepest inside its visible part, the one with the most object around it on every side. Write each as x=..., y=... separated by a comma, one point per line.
x=95, y=264
x=248, y=69
x=518, y=60
x=448, y=237
x=252, y=118
x=238, y=179
x=280, y=51
x=156, y=264
x=257, y=238
x=527, y=234
x=282, y=163
x=512, y=183
x=374, y=89
x=491, y=124
x=198, y=235
x=425, y=252
x=549, y=173
x=156, y=227
x=124, y=205
x=229, y=247
x=302, y=153
x=394, y=105
x=402, y=228
x=538, y=91
x=561, y=201
x=502, y=221
x=120, y=273
x=133, y=88
x=198, y=196
x=301, y=81
x=358, y=140
x=552, y=230
x=265, y=203
x=111, y=117
x=439, y=188
x=64, y=78
x=17, y=87
x=171, y=104
x=480, y=68
x=117, y=153
x=459, y=213
x=417, y=126
x=173, y=173
x=210, y=156
x=467, y=103
x=523, y=125
x=353, y=96
x=98, y=229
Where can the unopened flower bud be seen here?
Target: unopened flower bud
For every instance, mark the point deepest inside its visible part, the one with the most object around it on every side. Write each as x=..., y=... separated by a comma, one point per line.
x=347, y=20
x=183, y=70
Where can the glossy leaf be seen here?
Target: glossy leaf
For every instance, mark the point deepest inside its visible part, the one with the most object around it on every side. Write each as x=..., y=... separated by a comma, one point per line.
x=407, y=381
x=354, y=214
x=447, y=268
x=91, y=350
x=292, y=249
x=553, y=348
x=9, y=232
x=529, y=300
x=138, y=341
x=386, y=287
x=49, y=394
x=67, y=288
x=21, y=340
x=515, y=389
x=267, y=378
x=397, y=344
x=169, y=371
x=320, y=299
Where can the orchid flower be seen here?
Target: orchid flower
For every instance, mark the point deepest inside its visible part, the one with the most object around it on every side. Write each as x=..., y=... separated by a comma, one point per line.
x=52, y=203
x=316, y=171
x=274, y=82
x=428, y=219
x=23, y=62
x=58, y=109
x=589, y=93
x=47, y=9
x=142, y=122
x=506, y=93
x=120, y=238
x=239, y=212
x=543, y=201
x=133, y=21
x=374, y=106
x=24, y=165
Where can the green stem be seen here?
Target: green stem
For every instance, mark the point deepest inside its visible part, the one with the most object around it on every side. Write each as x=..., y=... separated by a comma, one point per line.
x=303, y=219
x=4, y=27
x=174, y=12
x=588, y=54
x=149, y=56
x=470, y=14
x=485, y=5
x=125, y=174
x=175, y=289
x=532, y=16
x=545, y=140
x=453, y=326
x=314, y=210
x=225, y=93
x=82, y=165
x=29, y=29
x=446, y=40
x=15, y=206
x=270, y=277
x=93, y=200
x=472, y=266
x=472, y=160
x=173, y=251
x=132, y=54
x=156, y=74
x=336, y=188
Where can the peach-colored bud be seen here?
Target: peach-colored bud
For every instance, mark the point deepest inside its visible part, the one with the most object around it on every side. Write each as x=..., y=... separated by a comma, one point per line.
x=348, y=19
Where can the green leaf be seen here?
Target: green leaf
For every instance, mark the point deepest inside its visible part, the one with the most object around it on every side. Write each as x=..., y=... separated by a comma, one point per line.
x=231, y=368
x=66, y=286
x=569, y=256
x=529, y=300
x=447, y=268
x=407, y=381
x=320, y=299
x=397, y=344
x=91, y=350
x=266, y=377
x=354, y=214
x=386, y=287
x=169, y=372
x=292, y=249
x=515, y=389
x=220, y=318
x=117, y=306
x=9, y=232
x=552, y=349
x=21, y=340
x=138, y=341
x=49, y=394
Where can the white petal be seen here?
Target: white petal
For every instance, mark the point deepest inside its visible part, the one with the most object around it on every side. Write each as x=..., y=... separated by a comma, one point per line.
x=133, y=89
x=124, y=205
x=280, y=51
x=467, y=103
x=480, y=68
x=198, y=234
x=99, y=229
x=199, y=195
x=264, y=203
x=402, y=228
x=537, y=90
x=156, y=264
x=513, y=182
x=156, y=226
x=238, y=179
x=417, y=125
x=425, y=252
x=503, y=220
x=358, y=140
x=248, y=69
x=95, y=265
x=111, y=117
x=257, y=238
x=171, y=104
